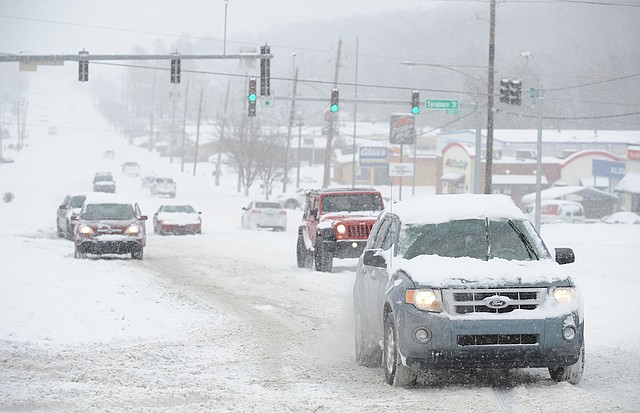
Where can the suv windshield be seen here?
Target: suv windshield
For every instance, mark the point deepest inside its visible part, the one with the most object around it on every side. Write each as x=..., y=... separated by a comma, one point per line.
x=476, y=238
x=351, y=202
x=108, y=211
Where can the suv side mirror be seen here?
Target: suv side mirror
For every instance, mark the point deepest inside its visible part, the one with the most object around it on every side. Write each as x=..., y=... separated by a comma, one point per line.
x=565, y=256
x=374, y=259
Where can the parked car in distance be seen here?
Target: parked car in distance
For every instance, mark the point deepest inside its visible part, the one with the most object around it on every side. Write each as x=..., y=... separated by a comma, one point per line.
x=147, y=181
x=110, y=224
x=461, y=282
x=556, y=211
x=53, y=131
x=293, y=200
x=177, y=219
x=336, y=224
x=264, y=214
x=103, y=182
x=622, y=217
x=131, y=168
x=163, y=186
x=108, y=154
x=67, y=213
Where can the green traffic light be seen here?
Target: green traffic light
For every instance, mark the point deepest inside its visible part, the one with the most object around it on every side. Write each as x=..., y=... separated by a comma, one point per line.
x=334, y=108
x=415, y=110
x=252, y=97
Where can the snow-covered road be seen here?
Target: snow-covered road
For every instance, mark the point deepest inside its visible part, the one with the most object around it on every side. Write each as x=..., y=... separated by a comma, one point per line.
x=225, y=321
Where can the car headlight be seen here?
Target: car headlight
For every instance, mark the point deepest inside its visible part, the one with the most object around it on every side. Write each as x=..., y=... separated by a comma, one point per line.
x=133, y=229
x=341, y=229
x=425, y=300
x=563, y=294
x=85, y=230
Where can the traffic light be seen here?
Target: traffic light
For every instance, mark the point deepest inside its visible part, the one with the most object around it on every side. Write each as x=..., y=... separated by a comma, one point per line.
x=252, y=97
x=335, y=97
x=504, y=90
x=83, y=67
x=265, y=71
x=175, y=69
x=415, y=102
x=515, y=92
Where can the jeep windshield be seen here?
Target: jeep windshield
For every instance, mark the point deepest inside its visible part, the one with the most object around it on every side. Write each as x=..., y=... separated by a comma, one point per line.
x=94, y=212
x=351, y=203
x=482, y=239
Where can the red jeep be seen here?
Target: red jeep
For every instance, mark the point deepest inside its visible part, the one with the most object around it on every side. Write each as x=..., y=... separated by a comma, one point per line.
x=336, y=224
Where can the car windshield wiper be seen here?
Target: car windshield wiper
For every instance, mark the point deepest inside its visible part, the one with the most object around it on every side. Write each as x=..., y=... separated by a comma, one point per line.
x=532, y=252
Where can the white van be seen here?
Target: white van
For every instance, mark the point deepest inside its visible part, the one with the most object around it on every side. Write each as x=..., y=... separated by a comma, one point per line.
x=557, y=211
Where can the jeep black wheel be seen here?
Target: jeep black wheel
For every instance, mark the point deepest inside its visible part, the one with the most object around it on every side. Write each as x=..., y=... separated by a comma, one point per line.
x=304, y=258
x=395, y=373
x=323, y=257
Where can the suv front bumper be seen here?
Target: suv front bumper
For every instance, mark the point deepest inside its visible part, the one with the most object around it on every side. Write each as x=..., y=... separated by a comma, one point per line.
x=503, y=342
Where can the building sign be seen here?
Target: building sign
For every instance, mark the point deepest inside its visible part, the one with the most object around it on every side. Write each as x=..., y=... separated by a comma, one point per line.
x=402, y=129
x=633, y=154
x=608, y=169
x=372, y=156
x=400, y=169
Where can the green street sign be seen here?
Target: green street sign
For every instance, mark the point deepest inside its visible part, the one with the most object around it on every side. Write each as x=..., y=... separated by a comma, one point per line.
x=450, y=105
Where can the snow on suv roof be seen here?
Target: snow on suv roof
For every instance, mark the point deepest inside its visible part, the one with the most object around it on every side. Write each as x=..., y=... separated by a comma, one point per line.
x=444, y=208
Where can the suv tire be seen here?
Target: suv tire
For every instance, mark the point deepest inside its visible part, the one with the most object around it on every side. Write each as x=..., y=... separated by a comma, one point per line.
x=572, y=373
x=395, y=373
x=367, y=354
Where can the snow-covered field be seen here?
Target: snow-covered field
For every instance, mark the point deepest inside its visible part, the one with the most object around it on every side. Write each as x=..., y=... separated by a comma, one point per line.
x=225, y=321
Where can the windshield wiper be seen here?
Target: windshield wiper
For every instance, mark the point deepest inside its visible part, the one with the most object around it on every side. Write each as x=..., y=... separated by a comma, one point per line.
x=532, y=252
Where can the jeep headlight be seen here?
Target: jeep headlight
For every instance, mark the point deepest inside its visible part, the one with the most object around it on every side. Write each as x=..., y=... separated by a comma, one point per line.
x=563, y=294
x=425, y=300
x=341, y=229
x=133, y=229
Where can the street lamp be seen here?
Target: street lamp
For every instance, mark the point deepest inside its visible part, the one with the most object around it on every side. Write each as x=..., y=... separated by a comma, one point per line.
x=224, y=46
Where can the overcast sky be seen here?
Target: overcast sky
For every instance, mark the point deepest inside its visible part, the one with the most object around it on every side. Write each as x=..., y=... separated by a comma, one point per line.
x=114, y=26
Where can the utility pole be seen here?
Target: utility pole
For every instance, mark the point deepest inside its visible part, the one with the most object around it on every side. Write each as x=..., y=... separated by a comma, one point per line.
x=492, y=52
x=173, y=96
x=540, y=100
x=153, y=103
x=195, y=155
x=222, y=128
x=355, y=123
x=292, y=114
x=328, y=150
x=184, y=126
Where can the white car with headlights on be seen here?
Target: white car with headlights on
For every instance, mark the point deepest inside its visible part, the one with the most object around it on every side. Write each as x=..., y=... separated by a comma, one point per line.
x=465, y=281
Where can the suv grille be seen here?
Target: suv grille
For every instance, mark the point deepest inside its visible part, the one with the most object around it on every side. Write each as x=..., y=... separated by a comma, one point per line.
x=493, y=300
x=358, y=230
x=496, y=339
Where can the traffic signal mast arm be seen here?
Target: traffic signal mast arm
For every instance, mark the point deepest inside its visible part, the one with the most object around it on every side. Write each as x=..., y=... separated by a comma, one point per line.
x=26, y=58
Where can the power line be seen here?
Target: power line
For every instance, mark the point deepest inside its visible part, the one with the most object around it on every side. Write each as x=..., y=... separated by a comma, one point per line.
x=594, y=83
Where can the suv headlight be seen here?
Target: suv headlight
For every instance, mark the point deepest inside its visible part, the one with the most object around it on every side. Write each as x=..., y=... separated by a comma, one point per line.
x=564, y=294
x=425, y=300
x=341, y=229
x=133, y=229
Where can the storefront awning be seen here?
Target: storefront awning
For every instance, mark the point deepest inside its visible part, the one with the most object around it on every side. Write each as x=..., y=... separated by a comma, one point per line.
x=452, y=176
